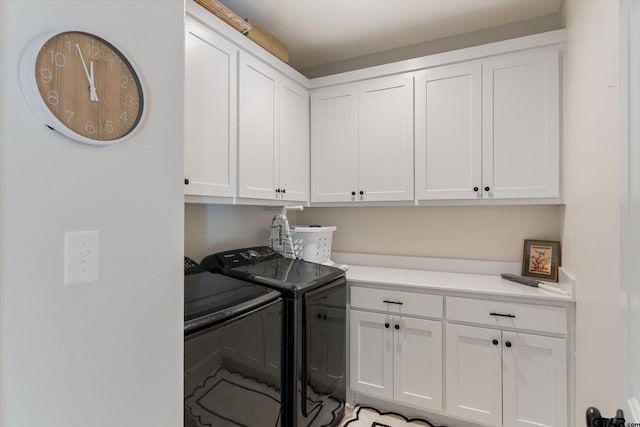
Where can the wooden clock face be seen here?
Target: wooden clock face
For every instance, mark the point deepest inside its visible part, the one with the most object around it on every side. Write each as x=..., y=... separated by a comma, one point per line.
x=89, y=86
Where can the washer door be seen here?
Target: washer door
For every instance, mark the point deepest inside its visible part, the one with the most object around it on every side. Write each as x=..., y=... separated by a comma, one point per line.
x=232, y=371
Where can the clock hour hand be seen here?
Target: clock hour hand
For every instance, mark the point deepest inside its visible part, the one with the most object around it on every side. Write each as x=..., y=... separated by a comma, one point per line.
x=92, y=90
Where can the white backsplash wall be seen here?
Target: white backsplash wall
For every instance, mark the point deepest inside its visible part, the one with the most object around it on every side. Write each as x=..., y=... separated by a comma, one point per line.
x=492, y=233
x=216, y=228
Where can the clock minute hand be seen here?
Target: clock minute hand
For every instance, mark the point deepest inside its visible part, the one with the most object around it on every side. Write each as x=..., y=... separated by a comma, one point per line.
x=93, y=95
x=92, y=89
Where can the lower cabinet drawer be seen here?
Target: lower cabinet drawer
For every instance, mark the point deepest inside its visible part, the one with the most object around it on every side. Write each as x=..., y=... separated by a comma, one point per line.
x=400, y=302
x=507, y=314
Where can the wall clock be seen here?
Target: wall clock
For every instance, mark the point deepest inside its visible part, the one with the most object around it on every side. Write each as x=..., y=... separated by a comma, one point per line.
x=82, y=86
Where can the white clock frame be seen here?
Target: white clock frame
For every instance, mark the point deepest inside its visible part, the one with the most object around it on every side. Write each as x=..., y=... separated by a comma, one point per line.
x=30, y=91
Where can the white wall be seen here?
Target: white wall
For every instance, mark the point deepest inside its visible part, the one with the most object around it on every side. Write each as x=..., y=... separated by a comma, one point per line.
x=492, y=233
x=107, y=353
x=591, y=233
x=474, y=38
x=630, y=202
x=216, y=228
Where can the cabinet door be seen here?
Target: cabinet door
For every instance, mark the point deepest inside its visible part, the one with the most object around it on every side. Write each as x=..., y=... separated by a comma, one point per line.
x=448, y=112
x=474, y=374
x=535, y=380
x=521, y=126
x=210, y=113
x=257, y=139
x=417, y=361
x=334, y=144
x=371, y=354
x=385, y=139
x=293, y=142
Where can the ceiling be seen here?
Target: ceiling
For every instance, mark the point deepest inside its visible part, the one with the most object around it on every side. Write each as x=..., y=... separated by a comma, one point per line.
x=319, y=32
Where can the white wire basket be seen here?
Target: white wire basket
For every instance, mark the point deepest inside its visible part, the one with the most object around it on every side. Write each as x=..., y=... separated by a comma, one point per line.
x=312, y=244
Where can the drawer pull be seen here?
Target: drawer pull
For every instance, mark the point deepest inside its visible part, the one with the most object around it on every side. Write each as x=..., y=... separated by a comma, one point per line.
x=503, y=315
x=386, y=325
x=397, y=326
x=392, y=302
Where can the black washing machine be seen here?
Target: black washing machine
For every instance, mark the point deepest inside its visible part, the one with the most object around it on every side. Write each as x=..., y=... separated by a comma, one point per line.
x=314, y=330
x=232, y=351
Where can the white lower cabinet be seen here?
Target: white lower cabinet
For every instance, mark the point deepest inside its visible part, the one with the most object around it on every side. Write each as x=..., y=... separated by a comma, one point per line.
x=396, y=357
x=534, y=380
x=505, y=363
x=507, y=378
x=474, y=374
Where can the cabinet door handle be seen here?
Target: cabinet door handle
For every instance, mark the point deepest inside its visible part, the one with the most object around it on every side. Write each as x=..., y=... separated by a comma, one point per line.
x=503, y=315
x=508, y=344
x=284, y=190
x=386, y=325
x=495, y=342
x=353, y=193
x=186, y=181
x=486, y=188
x=277, y=190
x=361, y=193
x=392, y=302
x=475, y=189
x=396, y=326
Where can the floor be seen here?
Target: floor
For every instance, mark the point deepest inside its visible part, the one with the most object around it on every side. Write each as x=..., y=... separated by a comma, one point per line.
x=348, y=411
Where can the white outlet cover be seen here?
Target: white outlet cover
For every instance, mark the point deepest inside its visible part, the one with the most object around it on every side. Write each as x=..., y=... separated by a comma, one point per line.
x=81, y=257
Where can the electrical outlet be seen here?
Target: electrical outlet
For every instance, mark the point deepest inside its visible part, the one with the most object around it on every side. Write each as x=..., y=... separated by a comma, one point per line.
x=81, y=257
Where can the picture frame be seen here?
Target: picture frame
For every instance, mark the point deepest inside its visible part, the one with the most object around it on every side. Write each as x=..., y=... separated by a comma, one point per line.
x=541, y=259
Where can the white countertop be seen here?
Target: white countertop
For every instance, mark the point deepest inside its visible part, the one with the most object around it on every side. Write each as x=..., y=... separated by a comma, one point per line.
x=484, y=284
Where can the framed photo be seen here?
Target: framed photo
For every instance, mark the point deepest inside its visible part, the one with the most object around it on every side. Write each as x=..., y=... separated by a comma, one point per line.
x=541, y=259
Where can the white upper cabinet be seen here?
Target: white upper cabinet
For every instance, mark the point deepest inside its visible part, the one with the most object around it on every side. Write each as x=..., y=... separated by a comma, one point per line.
x=385, y=140
x=448, y=132
x=362, y=141
x=489, y=130
x=334, y=144
x=294, y=142
x=257, y=149
x=273, y=134
x=210, y=113
x=521, y=126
